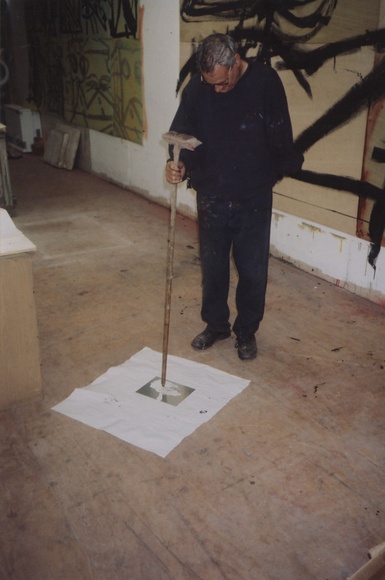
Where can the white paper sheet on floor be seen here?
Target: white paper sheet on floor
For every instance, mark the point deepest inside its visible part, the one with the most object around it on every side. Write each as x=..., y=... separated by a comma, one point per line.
x=111, y=403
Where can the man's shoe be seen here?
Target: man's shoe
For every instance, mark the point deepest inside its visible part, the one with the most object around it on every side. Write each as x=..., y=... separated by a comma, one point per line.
x=247, y=347
x=207, y=338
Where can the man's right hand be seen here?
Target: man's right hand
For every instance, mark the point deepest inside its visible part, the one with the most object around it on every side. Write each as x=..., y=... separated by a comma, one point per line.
x=175, y=172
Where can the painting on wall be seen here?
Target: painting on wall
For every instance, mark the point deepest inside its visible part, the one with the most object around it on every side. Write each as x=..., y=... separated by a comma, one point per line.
x=86, y=63
x=371, y=223
x=328, y=54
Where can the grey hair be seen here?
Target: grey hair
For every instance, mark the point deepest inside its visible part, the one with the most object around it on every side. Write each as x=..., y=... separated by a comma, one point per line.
x=216, y=49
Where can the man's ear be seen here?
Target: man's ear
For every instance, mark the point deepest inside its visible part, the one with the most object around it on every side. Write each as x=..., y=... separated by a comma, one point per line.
x=237, y=59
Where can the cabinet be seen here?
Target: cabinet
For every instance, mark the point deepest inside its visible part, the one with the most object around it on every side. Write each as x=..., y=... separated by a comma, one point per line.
x=23, y=125
x=20, y=376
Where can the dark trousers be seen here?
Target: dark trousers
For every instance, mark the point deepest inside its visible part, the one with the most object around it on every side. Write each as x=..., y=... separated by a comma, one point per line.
x=243, y=228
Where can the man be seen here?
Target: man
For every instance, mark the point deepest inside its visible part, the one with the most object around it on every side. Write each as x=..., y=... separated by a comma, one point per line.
x=239, y=112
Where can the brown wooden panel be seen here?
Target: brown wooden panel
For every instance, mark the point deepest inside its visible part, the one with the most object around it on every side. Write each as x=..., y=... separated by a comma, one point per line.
x=19, y=353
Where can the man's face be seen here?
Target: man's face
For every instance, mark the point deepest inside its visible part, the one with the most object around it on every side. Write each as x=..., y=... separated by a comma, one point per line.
x=223, y=79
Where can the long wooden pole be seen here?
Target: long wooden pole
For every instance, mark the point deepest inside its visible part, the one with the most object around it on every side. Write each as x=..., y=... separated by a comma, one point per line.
x=170, y=272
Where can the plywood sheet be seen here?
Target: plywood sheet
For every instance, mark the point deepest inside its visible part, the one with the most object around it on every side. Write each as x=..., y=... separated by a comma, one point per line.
x=61, y=146
x=55, y=147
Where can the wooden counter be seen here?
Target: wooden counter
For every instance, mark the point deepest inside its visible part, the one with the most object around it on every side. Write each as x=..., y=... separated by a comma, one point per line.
x=20, y=376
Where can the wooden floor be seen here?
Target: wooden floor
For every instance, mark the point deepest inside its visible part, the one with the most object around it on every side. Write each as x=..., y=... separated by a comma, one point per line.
x=286, y=482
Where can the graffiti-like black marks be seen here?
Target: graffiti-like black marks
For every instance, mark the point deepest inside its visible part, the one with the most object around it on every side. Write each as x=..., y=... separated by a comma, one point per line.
x=277, y=15
x=311, y=61
x=94, y=16
x=89, y=94
x=43, y=16
x=118, y=18
x=317, y=19
x=200, y=10
x=377, y=216
x=360, y=96
x=70, y=17
x=378, y=154
x=124, y=20
x=376, y=229
x=279, y=27
x=341, y=183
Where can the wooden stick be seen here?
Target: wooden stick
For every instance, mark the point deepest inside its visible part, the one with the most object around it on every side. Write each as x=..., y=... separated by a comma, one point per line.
x=179, y=141
x=170, y=271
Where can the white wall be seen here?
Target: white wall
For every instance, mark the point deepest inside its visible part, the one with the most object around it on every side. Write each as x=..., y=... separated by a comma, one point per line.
x=326, y=252
x=329, y=254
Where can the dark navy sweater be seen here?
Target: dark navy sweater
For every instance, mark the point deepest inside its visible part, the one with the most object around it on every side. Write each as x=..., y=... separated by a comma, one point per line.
x=246, y=134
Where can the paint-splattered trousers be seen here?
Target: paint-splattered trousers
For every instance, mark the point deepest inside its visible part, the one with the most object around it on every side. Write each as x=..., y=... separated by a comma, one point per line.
x=240, y=229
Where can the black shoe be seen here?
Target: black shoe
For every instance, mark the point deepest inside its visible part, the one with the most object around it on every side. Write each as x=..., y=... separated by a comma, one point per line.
x=247, y=347
x=207, y=338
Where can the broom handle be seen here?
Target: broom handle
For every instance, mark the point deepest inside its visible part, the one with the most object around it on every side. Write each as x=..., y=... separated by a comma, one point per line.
x=170, y=263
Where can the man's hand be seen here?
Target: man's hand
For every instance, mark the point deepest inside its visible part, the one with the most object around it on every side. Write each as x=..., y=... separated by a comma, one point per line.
x=175, y=172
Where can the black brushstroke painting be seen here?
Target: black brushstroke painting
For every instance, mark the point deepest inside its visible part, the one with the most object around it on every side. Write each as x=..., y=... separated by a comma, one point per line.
x=118, y=18
x=271, y=41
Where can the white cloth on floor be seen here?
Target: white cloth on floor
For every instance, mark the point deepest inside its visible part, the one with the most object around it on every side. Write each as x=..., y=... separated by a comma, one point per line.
x=113, y=404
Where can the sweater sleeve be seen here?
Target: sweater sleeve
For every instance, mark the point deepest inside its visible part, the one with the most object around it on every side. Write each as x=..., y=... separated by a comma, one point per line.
x=285, y=158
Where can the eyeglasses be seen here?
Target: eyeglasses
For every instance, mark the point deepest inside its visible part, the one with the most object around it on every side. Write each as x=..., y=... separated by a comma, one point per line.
x=224, y=83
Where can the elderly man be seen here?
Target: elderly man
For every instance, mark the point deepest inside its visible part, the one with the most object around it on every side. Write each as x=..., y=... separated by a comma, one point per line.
x=239, y=112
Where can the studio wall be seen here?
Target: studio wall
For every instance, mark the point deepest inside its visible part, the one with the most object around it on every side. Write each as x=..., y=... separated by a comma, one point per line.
x=329, y=55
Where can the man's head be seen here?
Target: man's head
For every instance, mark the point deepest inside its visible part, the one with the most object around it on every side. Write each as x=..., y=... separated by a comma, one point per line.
x=216, y=49
x=219, y=62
